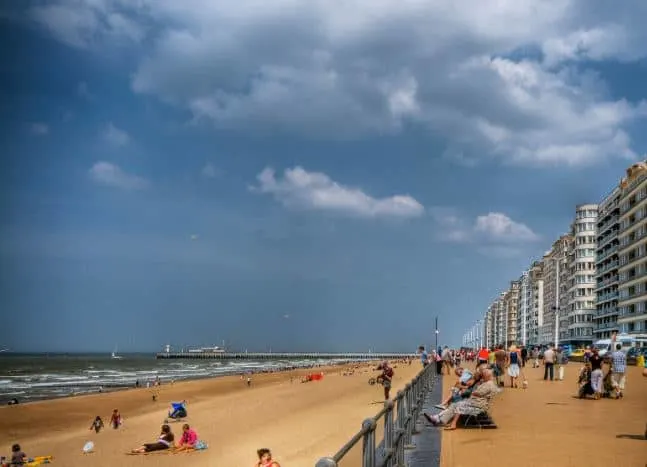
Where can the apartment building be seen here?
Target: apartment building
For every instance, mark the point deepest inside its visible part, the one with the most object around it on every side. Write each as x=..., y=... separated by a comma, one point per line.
x=579, y=278
x=488, y=327
x=632, y=253
x=524, y=310
x=606, y=267
x=535, y=320
x=511, y=308
x=555, y=264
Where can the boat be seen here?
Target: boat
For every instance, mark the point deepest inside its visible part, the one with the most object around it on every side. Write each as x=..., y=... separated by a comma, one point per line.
x=214, y=349
x=114, y=355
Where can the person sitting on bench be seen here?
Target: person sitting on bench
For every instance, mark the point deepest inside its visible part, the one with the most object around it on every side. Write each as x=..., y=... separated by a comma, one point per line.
x=462, y=388
x=476, y=404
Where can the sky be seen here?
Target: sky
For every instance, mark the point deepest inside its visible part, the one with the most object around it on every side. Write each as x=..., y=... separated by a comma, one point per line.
x=290, y=175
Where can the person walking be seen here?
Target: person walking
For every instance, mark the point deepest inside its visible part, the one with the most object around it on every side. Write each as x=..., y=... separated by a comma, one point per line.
x=524, y=356
x=424, y=356
x=500, y=357
x=549, y=364
x=619, y=368
x=514, y=359
x=596, y=372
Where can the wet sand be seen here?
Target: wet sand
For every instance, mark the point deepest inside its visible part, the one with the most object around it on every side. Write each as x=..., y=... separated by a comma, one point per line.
x=545, y=425
x=300, y=422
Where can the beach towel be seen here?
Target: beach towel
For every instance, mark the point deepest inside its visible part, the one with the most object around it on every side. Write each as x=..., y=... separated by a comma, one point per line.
x=39, y=460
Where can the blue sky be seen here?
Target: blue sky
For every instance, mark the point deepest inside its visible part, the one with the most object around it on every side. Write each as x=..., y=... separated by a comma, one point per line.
x=320, y=175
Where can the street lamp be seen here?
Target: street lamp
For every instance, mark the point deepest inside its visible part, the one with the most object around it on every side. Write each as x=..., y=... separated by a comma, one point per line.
x=436, y=332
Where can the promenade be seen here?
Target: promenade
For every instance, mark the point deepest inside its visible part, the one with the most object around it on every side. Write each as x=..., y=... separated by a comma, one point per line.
x=545, y=425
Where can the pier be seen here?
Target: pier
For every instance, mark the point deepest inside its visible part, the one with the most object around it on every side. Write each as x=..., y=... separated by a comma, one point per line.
x=281, y=356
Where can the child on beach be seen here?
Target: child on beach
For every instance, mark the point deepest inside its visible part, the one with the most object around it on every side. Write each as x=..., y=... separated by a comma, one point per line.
x=265, y=459
x=97, y=424
x=17, y=456
x=188, y=440
x=115, y=419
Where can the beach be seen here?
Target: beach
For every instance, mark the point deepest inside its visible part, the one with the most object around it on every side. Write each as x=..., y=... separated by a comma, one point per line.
x=300, y=422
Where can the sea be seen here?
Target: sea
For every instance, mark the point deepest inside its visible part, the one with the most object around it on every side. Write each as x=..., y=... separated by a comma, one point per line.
x=32, y=377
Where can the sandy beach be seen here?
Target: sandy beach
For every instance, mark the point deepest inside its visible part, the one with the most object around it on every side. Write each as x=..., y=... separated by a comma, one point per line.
x=300, y=422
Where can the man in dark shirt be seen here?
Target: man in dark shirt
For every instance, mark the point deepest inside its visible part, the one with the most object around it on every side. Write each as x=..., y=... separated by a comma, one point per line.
x=524, y=355
x=386, y=377
x=499, y=361
x=596, y=372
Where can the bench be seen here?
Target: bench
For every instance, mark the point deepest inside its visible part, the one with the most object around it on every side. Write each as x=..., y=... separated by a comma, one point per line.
x=483, y=421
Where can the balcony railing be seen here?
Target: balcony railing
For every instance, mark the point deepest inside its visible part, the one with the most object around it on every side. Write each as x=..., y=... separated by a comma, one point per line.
x=607, y=296
x=608, y=267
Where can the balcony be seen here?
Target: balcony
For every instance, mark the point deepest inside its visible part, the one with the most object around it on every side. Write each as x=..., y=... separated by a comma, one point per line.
x=608, y=252
x=610, y=311
x=607, y=282
x=605, y=326
x=608, y=267
x=606, y=297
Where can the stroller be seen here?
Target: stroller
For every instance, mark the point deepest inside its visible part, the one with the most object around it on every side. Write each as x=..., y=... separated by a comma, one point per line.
x=178, y=411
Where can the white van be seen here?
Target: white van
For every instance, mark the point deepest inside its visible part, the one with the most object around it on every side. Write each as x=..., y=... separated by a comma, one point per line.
x=627, y=340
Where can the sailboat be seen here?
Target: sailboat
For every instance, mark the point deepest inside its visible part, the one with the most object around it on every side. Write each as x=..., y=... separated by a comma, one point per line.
x=114, y=355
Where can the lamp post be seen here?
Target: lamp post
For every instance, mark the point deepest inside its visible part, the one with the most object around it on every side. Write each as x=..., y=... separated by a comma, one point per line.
x=436, y=332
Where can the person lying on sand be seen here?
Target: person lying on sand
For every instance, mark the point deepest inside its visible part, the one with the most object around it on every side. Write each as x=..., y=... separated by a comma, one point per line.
x=165, y=441
x=188, y=440
x=265, y=459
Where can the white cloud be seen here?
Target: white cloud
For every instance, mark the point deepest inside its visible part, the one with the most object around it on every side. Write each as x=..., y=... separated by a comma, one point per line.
x=210, y=171
x=39, y=129
x=314, y=190
x=499, y=227
x=492, y=229
x=84, y=23
x=328, y=69
x=105, y=173
x=114, y=135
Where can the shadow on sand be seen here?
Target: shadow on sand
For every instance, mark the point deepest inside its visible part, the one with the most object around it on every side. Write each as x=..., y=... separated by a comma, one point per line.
x=625, y=436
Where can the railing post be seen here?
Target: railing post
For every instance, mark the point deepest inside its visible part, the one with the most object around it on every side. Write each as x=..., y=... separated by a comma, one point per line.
x=409, y=397
x=368, y=446
x=326, y=462
x=389, y=449
x=399, y=449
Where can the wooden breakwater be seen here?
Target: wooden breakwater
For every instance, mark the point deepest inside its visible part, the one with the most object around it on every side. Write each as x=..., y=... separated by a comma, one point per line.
x=281, y=356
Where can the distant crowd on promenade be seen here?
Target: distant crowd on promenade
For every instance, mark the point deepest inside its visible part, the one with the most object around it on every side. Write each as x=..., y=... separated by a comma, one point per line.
x=473, y=391
x=600, y=376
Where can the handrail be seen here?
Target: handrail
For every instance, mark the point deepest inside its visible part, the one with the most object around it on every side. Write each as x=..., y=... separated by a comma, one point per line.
x=398, y=428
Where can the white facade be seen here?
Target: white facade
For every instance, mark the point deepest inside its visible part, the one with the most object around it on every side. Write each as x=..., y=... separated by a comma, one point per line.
x=580, y=280
x=535, y=319
x=632, y=288
x=524, y=310
x=606, y=267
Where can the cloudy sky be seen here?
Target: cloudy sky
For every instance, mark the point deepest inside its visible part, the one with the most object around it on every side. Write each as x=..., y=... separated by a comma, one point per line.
x=298, y=174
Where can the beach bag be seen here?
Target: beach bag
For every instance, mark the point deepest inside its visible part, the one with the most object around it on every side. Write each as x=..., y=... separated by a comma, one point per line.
x=200, y=445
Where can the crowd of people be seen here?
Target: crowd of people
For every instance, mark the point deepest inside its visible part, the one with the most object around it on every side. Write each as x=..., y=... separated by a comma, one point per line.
x=473, y=391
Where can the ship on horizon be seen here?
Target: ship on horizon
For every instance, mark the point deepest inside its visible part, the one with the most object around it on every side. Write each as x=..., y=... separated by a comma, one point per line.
x=199, y=350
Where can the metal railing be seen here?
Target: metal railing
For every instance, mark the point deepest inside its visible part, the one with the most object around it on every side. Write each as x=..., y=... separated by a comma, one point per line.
x=399, y=418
